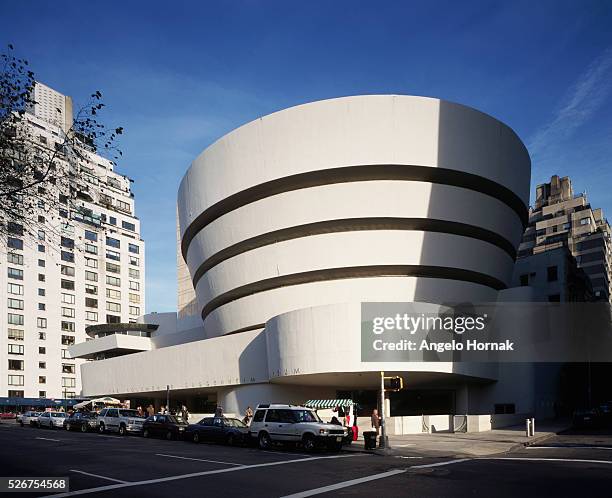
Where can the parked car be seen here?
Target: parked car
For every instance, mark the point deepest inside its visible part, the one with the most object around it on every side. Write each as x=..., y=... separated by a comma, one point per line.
x=7, y=415
x=586, y=417
x=167, y=426
x=294, y=424
x=82, y=421
x=218, y=430
x=51, y=420
x=28, y=418
x=120, y=420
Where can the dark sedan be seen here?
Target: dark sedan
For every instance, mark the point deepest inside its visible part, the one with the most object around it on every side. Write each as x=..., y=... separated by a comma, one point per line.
x=167, y=426
x=82, y=421
x=218, y=430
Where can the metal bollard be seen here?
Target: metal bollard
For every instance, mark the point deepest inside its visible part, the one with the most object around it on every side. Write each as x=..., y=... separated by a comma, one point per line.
x=528, y=427
x=533, y=426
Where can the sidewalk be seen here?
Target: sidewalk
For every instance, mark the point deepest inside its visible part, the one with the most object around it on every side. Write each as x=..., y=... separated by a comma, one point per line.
x=472, y=444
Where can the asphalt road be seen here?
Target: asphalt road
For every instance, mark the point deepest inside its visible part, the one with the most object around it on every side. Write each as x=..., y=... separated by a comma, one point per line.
x=108, y=465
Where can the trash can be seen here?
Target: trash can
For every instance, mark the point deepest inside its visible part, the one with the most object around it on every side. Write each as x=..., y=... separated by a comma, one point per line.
x=369, y=438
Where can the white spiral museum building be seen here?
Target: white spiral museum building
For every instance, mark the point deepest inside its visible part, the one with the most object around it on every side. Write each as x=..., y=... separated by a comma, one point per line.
x=289, y=222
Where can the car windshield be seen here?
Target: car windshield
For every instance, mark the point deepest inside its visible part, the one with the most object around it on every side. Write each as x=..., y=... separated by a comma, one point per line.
x=58, y=415
x=128, y=413
x=172, y=419
x=305, y=416
x=233, y=422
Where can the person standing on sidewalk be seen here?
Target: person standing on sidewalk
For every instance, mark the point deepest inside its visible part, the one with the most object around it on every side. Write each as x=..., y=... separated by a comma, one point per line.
x=375, y=421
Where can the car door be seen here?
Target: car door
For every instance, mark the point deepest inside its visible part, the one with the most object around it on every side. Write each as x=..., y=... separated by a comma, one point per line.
x=287, y=426
x=159, y=424
x=45, y=418
x=274, y=426
x=205, y=429
x=112, y=418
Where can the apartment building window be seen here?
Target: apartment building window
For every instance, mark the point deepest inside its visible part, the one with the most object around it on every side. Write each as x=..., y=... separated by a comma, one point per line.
x=112, y=220
x=42, y=307
x=91, y=289
x=67, y=256
x=113, y=281
x=65, y=354
x=42, y=365
x=134, y=298
x=585, y=221
x=41, y=292
x=91, y=276
x=42, y=379
x=14, y=258
x=15, y=304
x=68, y=312
x=89, y=235
x=133, y=248
x=16, y=289
x=68, y=382
x=63, y=213
x=91, y=249
x=16, y=394
x=15, y=228
x=15, y=334
x=91, y=263
x=134, y=285
x=113, y=294
x=91, y=302
x=15, y=364
x=16, y=349
x=552, y=274
x=41, y=277
x=67, y=270
x=14, y=319
x=41, y=219
x=42, y=350
x=113, y=268
x=116, y=307
x=42, y=394
x=15, y=243
x=68, y=298
x=114, y=255
x=134, y=261
x=91, y=316
x=67, y=284
x=67, y=242
x=41, y=248
x=128, y=226
x=41, y=323
x=15, y=273
x=68, y=368
x=116, y=243
x=113, y=319
x=67, y=340
x=41, y=263
x=68, y=326
x=134, y=273
x=15, y=380
x=41, y=235
x=123, y=206
x=42, y=336
x=134, y=310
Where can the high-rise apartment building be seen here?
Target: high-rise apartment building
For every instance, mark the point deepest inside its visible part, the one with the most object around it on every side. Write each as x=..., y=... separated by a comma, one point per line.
x=560, y=218
x=87, y=268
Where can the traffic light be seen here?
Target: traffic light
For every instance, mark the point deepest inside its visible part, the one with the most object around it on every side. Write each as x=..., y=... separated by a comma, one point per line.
x=394, y=383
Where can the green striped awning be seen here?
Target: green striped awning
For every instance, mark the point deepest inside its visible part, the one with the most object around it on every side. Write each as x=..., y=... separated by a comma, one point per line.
x=327, y=403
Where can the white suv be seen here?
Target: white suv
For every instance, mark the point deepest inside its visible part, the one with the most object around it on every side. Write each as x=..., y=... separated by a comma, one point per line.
x=121, y=420
x=274, y=423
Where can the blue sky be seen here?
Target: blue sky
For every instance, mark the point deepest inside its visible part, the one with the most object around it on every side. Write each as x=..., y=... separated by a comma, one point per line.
x=178, y=75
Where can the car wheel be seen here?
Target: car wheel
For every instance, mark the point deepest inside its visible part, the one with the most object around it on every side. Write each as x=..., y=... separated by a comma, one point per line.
x=196, y=437
x=83, y=428
x=68, y=427
x=264, y=441
x=145, y=433
x=169, y=435
x=101, y=428
x=308, y=441
x=122, y=430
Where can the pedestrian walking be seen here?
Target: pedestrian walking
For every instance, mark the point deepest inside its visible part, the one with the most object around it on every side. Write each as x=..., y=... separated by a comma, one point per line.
x=219, y=412
x=248, y=415
x=185, y=414
x=150, y=410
